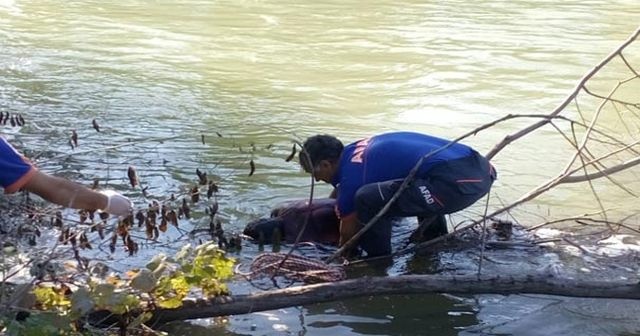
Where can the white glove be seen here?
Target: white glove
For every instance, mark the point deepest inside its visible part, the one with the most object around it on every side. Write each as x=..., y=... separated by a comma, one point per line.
x=117, y=204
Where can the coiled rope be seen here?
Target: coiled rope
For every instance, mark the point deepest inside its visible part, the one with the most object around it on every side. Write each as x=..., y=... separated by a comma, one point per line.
x=295, y=267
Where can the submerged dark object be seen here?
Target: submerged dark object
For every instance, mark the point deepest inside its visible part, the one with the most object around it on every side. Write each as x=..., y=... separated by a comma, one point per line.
x=288, y=219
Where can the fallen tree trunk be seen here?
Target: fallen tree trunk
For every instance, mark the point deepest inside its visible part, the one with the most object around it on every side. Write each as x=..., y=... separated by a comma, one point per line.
x=406, y=284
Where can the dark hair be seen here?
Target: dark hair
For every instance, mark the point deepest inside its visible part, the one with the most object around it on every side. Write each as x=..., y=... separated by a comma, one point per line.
x=320, y=147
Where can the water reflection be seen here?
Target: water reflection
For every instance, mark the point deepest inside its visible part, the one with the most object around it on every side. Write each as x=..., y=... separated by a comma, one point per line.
x=391, y=315
x=383, y=315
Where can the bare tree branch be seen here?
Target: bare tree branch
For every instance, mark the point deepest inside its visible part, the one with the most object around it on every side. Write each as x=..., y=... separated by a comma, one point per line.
x=608, y=171
x=510, y=138
x=404, y=284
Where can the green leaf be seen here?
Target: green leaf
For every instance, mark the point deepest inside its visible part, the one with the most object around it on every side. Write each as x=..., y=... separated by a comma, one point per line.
x=187, y=267
x=41, y=324
x=143, y=281
x=184, y=252
x=140, y=319
x=81, y=302
x=163, y=287
x=180, y=286
x=212, y=287
x=224, y=268
x=156, y=262
x=49, y=298
x=103, y=294
x=169, y=303
x=193, y=279
x=123, y=303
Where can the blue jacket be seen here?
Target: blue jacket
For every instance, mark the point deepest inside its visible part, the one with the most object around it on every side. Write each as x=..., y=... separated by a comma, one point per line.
x=386, y=157
x=15, y=170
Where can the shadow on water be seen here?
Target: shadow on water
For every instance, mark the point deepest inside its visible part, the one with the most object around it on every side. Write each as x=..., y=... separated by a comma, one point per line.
x=393, y=315
x=397, y=315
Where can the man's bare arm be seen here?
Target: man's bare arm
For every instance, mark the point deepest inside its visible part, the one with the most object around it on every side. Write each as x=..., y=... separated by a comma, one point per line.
x=349, y=226
x=66, y=193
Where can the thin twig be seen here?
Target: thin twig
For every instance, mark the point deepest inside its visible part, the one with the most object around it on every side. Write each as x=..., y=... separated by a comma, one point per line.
x=510, y=138
x=629, y=65
x=610, y=99
x=576, y=245
x=484, y=233
x=567, y=219
x=308, y=215
x=587, y=151
x=130, y=143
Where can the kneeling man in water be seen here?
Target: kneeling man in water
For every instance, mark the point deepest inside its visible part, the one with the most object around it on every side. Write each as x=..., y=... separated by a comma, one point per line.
x=368, y=172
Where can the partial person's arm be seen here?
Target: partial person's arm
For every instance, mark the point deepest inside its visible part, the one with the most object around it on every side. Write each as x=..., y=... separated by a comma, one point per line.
x=349, y=226
x=16, y=172
x=66, y=193
x=73, y=195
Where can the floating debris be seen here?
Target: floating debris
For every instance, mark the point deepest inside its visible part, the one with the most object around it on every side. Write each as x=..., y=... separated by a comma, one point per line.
x=84, y=241
x=19, y=120
x=195, y=194
x=74, y=138
x=172, y=217
x=185, y=209
x=252, y=165
x=163, y=224
x=213, y=209
x=213, y=188
x=133, y=177
x=140, y=218
x=114, y=240
x=57, y=221
x=202, y=177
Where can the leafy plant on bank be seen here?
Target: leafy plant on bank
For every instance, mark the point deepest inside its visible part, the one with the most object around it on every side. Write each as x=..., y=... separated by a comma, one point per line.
x=60, y=308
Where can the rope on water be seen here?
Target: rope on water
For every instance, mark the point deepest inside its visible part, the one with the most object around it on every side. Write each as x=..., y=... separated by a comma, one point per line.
x=295, y=268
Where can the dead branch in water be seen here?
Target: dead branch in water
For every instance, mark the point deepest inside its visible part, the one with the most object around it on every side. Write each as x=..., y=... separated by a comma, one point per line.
x=405, y=284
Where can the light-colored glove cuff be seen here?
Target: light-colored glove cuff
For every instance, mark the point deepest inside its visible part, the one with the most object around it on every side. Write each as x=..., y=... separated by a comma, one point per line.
x=117, y=204
x=108, y=202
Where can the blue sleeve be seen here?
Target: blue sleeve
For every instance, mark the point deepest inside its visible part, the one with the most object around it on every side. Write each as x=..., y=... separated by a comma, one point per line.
x=14, y=168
